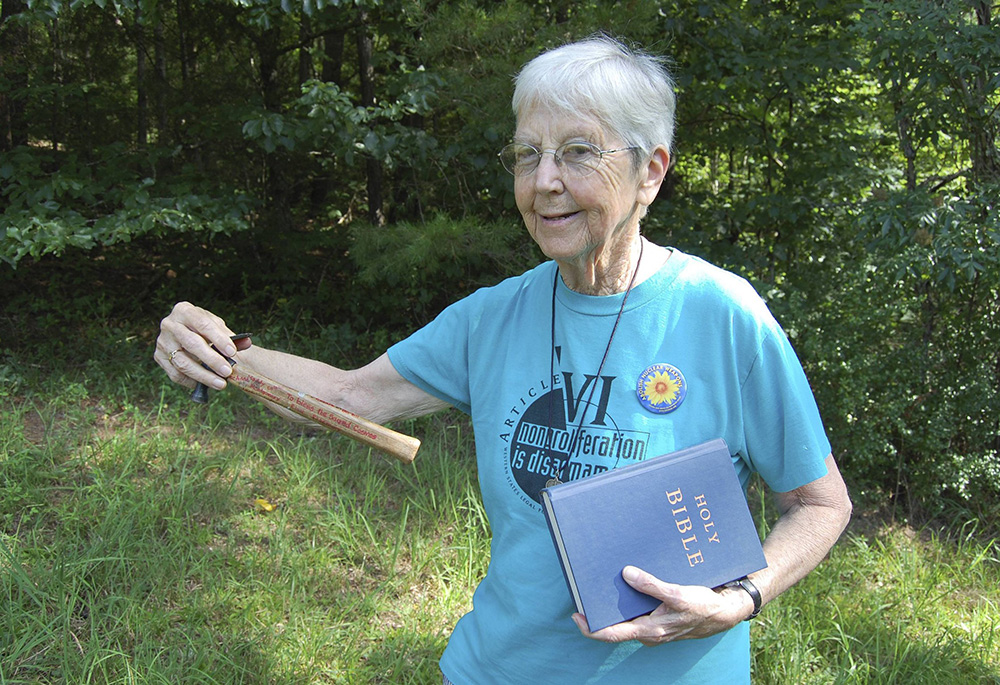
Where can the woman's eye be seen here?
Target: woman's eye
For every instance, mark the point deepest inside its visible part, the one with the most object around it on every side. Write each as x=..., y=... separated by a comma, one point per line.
x=577, y=152
x=525, y=154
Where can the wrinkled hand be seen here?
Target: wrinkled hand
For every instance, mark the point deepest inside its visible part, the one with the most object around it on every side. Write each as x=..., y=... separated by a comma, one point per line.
x=686, y=612
x=185, y=342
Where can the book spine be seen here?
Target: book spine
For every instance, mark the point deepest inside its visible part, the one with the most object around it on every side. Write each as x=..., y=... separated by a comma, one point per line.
x=560, y=550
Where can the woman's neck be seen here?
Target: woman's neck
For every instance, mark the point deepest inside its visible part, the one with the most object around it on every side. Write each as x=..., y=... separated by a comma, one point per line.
x=603, y=273
x=613, y=274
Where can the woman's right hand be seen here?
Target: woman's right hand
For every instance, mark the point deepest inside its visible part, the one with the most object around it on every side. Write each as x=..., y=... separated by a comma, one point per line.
x=185, y=343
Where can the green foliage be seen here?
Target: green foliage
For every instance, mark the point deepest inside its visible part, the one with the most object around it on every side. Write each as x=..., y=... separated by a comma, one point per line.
x=409, y=272
x=897, y=329
x=74, y=206
x=324, y=122
x=774, y=138
x=937, y=64
x=948, y=239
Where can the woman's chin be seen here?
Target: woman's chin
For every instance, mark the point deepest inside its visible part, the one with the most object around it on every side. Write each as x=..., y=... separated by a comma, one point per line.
x=561, y=244
x=562, y=253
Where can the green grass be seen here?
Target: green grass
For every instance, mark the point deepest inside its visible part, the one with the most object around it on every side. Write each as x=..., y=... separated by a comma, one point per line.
x=131, y=548
x=890, y=605
x=132, y=551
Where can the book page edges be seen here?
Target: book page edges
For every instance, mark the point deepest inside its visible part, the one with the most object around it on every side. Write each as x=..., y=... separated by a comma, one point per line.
x=561, y=548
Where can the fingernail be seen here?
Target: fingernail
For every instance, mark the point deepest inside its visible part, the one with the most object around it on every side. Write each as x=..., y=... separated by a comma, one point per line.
x=218, y=383
x=230, y=350
x=630, y=573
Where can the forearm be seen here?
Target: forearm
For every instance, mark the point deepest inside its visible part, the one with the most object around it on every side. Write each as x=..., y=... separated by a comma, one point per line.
x=810, y=524
x=191, y=339
x=813, y=517
x=375, y=391
x=305, y=375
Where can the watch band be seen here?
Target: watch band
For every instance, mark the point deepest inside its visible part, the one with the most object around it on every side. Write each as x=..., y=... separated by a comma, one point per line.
x=754, y=593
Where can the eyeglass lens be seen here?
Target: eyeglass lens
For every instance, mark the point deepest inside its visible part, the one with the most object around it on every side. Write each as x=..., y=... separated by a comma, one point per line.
x=579, y=158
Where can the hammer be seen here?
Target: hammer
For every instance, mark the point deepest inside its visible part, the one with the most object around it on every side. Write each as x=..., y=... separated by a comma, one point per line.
x=402, y=447
x=200, y=394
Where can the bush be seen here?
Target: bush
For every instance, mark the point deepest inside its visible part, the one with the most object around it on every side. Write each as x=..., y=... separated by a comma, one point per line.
x=900, y=335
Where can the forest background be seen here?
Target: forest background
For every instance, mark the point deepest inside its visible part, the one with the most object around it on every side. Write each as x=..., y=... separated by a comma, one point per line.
x=323, y=173
x=329, y=169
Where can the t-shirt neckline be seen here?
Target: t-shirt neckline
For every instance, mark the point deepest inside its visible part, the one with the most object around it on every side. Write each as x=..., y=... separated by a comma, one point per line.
x=610, y=305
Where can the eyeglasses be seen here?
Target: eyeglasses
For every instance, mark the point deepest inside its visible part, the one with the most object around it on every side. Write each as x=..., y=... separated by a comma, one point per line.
x=577, y=159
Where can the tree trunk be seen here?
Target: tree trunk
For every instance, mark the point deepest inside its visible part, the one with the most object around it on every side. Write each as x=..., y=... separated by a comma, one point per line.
x=983, y=124
x=268, y=51
x=332, y=71
x=141, y=85
x=13, y=39
x=906, y=147
x=366, y=71
x=276, y=184
x=58, y=60
x=160, y=92
x=183, y=21
x=333, y=58
x=305, y=59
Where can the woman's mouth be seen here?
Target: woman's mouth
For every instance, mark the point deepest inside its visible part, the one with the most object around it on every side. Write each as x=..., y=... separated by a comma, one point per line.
x=555, y=218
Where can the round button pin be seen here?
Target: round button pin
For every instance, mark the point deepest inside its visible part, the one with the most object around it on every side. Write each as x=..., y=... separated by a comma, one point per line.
x=661, y=388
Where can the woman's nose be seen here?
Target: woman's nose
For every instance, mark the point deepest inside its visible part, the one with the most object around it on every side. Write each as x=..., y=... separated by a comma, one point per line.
x=548, y=175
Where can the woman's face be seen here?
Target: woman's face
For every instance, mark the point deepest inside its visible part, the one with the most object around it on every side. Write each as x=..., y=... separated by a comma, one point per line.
x=572, y=218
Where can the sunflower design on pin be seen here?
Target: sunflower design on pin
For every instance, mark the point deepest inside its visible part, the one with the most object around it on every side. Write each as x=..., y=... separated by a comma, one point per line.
x=661, y=388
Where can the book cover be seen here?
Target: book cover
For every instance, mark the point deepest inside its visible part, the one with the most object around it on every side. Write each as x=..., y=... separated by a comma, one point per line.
x=681, y=516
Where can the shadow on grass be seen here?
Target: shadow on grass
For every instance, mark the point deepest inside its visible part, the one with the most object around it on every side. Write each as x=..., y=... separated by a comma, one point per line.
x=406, y=659
x=131, y=551
x=884, y=655
x=105, y=566
x=890, y=605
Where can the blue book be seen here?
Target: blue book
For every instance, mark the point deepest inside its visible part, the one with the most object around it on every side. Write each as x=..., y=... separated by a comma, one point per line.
x=681, y=516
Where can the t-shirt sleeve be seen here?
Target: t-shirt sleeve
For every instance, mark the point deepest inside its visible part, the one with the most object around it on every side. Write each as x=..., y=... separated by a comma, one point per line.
x=785, y=437
x=436, y=357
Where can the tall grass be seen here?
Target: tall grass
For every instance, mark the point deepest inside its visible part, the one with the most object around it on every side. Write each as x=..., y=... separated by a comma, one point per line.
x=133, y=547
x=137, y=546
x=891, y=605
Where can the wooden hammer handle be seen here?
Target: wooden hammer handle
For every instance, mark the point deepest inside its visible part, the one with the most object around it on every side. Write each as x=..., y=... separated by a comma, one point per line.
x=398, y=445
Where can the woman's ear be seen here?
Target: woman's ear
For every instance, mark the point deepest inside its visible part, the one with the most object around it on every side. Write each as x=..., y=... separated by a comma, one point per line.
x=652, y=175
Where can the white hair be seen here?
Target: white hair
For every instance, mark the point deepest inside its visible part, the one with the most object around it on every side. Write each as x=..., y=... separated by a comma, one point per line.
x=630, y=92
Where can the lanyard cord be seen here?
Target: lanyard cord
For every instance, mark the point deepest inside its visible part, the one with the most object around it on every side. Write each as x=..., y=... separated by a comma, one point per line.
x=552, y=332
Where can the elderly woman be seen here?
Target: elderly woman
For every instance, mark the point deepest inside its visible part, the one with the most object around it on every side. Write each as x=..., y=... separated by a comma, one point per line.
x=564, y=346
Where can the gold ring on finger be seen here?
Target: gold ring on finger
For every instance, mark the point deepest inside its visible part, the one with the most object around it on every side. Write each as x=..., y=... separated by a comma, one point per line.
x=174, y=354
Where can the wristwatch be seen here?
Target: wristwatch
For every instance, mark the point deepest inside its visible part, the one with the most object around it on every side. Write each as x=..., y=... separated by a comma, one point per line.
x=752, y=590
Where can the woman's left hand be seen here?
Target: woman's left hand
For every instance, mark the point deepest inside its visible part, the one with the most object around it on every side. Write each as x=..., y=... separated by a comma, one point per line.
x=687, y=611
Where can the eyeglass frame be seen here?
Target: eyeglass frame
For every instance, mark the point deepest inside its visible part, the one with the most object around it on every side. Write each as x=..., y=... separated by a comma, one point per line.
x=558, y=158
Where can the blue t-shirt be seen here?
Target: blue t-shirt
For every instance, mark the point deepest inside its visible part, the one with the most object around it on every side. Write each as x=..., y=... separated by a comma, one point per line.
x=491, y=354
